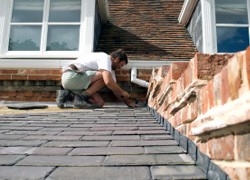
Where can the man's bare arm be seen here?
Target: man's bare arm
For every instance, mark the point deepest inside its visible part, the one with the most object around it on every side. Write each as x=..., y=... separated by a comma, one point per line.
x=111, y=84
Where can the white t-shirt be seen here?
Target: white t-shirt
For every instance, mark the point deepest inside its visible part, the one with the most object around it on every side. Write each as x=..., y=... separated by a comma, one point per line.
x=94, y=62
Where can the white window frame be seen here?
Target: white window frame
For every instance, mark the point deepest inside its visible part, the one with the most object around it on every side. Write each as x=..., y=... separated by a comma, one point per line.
x=209, y=33
x=234, y=25
x=86, y=41
x=209, y=25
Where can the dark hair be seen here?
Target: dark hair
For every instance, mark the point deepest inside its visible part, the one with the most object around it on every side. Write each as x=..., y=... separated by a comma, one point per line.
x=121, y=54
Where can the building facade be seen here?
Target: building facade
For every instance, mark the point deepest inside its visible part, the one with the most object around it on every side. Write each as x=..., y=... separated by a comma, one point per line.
x=39, y=37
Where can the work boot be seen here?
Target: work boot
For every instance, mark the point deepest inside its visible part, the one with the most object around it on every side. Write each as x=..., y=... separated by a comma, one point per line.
x=81, y=103
x=85, y=96
x=61, y=97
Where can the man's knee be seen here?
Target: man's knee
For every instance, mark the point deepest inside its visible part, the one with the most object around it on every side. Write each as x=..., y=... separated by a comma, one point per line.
x=100, y=104
x=97, y=77
x=97, y=99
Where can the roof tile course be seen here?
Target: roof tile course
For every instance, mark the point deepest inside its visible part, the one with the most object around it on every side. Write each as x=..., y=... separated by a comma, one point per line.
x=101, y=148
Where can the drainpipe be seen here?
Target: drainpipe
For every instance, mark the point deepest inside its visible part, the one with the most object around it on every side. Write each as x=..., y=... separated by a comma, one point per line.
x=137, y=81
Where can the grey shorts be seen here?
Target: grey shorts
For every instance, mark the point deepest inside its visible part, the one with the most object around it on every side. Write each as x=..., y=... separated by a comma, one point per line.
x=77, y=82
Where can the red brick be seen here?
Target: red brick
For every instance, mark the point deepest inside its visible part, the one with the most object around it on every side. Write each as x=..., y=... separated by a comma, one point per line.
x=126, y=72
x=179, y=87
x=211, y=64
x=54, y=77
x=193, y=110
x=182, y=129
x=9, y=71
x=5, y=77
x=32, y=99
x=222, y=148
x=46, y=99
x=56, y=71
x=143, y=72
x=187, y=77
x=184, y=117
x=174, y=93
x=43, y=72
x=26, y=71
x=36, y=77
x=177, y=68
x=36, y=94
x=244, y=58
x=162, y=72
x=234, y=77
x=8, y=93
x=204, y=100
x=178, y=118
x=191, y=137
x=12, y=98
x=210, y=93
x=236, y=172
x=247, y=61
x=217, y=89
x=243, y=148
x=224, y=86
x=193, y=65
x=28, y=93
x=202, y=147
x=44, y=94
x=145, y=78
x=122, y=78
x=19, y=77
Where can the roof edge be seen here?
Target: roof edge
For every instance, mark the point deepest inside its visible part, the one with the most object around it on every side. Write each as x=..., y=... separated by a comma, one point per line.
x=103, y=10
x=186, y=11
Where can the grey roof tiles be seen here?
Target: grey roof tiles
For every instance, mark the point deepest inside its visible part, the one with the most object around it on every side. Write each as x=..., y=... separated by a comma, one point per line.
x=114, y=142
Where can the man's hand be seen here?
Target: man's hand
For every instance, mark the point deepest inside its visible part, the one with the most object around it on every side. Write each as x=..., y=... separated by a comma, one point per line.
x=125, y=95
x=132, y=103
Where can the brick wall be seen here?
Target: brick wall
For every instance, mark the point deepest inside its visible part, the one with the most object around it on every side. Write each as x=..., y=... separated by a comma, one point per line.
x=208, y=101
x=147, y=30
x=29, y=84
x=41, y=84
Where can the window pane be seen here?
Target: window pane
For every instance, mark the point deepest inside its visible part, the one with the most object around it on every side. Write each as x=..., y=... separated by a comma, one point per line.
x=63, y=38
x=27, y=11
x=232, y=39
x=25, y=38
x=231, y=11
x=65, y=11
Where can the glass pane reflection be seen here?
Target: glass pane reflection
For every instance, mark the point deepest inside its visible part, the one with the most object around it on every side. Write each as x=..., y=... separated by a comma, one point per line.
x=232, y=39
x=25, y=38
x=65, y=11
x=231, y=11
x=27, y=11
x=63, y=38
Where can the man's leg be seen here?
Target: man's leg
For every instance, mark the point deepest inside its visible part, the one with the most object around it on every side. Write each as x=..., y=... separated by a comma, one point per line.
x=61, y=97
x=96, y=84
x=90, y=94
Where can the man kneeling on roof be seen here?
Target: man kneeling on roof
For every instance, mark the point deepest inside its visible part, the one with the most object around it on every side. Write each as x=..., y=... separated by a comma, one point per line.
x=85, y=76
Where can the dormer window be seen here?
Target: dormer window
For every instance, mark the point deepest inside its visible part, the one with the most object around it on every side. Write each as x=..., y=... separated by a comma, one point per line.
x=50, y=25
x=45, y=25
x=217, y=26
x=58, y=29
x=232, y=25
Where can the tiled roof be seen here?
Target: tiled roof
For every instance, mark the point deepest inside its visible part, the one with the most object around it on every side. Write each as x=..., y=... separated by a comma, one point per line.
x=114, y=142
x=147, y=30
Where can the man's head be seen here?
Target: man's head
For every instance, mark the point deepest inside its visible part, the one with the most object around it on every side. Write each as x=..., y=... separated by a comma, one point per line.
x=119, y=59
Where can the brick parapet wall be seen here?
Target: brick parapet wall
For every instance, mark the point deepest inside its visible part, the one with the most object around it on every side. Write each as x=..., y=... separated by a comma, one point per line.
x=41, y=84
x=208, y=101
